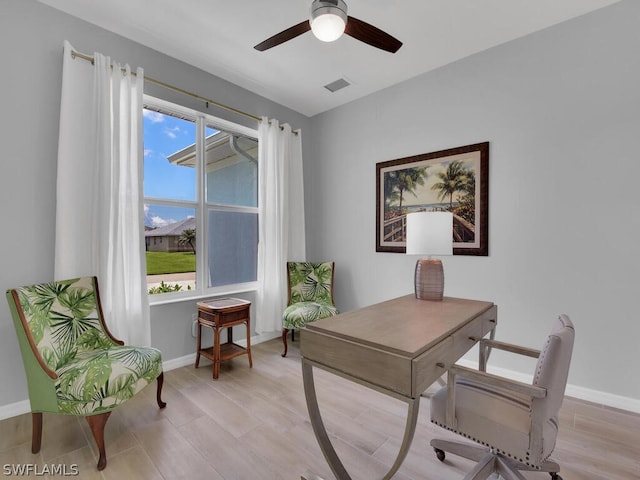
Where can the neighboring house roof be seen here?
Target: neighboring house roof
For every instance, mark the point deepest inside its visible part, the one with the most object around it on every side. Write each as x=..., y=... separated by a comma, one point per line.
x=172, y=229
x=219, y=147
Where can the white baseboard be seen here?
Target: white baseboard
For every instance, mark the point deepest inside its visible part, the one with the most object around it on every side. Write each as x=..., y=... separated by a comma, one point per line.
x=604, y=398
x=179, y=362
x=581, y=393
x=263, y=337
x=191, y=358
x=15, y=409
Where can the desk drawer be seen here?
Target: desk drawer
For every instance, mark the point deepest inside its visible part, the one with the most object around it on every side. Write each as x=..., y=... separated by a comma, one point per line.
x=429, y=366
x=465, y=338
x=378, y=367
x=489, y=320
x=222, y=318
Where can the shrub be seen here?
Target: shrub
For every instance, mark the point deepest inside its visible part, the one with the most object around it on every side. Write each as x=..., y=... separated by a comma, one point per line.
x=166, y=288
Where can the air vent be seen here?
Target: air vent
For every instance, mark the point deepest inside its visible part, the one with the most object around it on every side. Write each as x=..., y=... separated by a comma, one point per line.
x=337, y=85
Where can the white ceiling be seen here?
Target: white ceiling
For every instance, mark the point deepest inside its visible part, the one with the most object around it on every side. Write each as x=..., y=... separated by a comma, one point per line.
x=218, y=36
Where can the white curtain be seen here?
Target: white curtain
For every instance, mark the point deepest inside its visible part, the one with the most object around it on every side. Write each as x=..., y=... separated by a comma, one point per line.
x=281, y=206
x=99, y=189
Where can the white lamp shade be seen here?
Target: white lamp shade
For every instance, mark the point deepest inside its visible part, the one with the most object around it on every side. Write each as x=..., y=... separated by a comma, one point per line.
x=328, y=27
x=430, y=233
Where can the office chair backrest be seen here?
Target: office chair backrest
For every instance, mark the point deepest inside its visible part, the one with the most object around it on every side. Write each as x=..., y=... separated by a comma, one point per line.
x=552, y=371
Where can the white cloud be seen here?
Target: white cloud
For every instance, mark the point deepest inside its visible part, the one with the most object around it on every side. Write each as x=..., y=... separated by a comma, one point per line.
x=157, y=221
x=147, y=151
x=153, y=117
x=172, y=132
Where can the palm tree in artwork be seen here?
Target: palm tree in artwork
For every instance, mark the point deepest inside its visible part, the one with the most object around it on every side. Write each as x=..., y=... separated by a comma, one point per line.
x=408, y=180
x=390, y=190
x=467, y=202
x=454, y=179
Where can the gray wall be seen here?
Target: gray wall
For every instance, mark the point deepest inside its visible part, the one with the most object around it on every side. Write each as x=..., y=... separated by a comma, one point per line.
x=32, y=35
x=560, y=110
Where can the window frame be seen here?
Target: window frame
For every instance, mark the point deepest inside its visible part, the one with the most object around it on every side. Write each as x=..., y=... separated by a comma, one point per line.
x=202, y=121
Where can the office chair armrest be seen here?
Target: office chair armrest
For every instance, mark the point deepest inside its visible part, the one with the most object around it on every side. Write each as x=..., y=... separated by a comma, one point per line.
x=487, y=344
x=498, y=381
x=488, y=379
x=509, y=347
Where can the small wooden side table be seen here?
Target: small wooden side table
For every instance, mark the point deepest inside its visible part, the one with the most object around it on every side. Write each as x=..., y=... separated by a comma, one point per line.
x=220, y=314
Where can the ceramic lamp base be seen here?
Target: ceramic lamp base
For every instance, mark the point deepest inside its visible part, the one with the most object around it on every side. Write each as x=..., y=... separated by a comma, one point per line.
x=429, y=279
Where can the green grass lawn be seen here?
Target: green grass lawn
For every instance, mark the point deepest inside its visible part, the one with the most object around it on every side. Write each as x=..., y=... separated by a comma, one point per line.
x=178, y=262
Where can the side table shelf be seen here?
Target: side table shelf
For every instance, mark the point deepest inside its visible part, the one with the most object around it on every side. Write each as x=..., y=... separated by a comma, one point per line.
x=220, y=314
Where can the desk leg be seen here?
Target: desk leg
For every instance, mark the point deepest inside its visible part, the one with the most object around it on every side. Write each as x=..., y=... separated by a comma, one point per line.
x=323, y=438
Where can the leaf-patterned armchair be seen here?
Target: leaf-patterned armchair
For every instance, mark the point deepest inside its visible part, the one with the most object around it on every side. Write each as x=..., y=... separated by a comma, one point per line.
x=74, y=365
x=310, y=296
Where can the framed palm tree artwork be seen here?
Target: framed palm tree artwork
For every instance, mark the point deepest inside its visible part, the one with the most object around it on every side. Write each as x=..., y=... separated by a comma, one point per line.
x=454, y=180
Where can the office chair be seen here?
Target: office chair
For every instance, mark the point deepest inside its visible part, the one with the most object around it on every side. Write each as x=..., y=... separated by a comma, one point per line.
x=517, y=423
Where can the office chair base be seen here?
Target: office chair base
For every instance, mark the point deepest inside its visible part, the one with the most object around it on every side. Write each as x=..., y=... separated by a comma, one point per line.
x=489, y=462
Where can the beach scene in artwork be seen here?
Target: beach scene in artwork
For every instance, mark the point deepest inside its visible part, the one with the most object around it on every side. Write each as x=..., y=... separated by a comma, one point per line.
x=432, y=185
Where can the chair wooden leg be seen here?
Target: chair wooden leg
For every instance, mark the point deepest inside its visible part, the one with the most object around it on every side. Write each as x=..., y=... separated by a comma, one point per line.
x=284, y=341
x=97, y=423
x=36, y=434
x=199, y=344
x=249, y=344
x=161, y=404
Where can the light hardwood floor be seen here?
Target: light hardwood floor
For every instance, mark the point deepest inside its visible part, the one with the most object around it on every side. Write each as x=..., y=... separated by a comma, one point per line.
x=252, y=424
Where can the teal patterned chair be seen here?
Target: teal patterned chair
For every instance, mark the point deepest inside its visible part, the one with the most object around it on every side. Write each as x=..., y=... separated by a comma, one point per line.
x=310, y=296
x=74, y=365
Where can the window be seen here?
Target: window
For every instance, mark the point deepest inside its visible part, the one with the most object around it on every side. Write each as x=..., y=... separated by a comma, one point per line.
x=200, y=202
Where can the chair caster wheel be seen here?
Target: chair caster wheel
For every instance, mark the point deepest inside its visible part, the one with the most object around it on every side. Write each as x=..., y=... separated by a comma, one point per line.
x=440, y=454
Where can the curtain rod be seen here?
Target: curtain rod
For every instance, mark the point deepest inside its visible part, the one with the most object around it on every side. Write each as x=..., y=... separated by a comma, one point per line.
x=89, y=58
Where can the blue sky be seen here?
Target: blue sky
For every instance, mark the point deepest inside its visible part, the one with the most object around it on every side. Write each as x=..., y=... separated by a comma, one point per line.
x=163, y=136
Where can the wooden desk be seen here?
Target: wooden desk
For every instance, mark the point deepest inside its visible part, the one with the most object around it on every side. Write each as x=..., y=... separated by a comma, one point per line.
x=398, y=347
x=220, y=314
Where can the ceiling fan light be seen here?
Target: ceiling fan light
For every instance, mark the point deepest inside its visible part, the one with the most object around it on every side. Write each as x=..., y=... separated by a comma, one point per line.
x=328, y=19
x=328, y=27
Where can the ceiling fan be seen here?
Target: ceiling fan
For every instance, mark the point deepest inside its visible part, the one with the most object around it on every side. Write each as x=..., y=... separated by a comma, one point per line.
x=328, y=21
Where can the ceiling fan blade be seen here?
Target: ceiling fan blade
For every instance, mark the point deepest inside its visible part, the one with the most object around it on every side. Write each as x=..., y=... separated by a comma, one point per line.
x=371, y=35
x=284, y=36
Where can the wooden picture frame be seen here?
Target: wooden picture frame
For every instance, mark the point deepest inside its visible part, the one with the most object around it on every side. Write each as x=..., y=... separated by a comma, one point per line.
x=454, y=180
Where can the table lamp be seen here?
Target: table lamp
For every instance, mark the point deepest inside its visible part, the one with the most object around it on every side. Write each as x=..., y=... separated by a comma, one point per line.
x=429, y=233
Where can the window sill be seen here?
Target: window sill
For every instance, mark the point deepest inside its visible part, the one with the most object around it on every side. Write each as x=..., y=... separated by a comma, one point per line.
x=194, y=297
